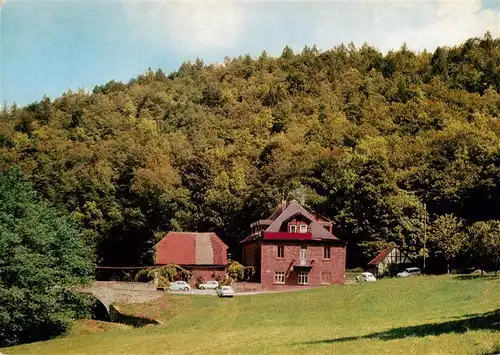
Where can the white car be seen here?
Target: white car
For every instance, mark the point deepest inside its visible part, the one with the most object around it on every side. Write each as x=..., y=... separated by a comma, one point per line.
x=209, y=285
x=179, y=286
x=366, y=276
x=410, y=271
x=225, y=291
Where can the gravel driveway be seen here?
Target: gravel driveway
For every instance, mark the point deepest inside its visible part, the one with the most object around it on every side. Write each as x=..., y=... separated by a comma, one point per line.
x=137, y=292
x=195, y=291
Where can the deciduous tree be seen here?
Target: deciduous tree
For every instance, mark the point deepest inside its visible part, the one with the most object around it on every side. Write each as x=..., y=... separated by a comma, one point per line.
x=447, y=237
x=43, y=258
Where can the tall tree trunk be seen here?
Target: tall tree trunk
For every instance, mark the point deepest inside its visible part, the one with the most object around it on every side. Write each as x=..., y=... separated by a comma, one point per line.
x=448, y=267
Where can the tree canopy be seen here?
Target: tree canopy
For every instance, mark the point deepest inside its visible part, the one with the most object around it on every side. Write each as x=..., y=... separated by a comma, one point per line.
x=43, y=257
x=378, y=143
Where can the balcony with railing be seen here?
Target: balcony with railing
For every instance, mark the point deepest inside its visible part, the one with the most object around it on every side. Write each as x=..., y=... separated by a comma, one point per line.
x=287, y=236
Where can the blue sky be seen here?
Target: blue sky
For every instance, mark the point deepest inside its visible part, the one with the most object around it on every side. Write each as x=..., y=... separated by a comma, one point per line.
x=50, y=46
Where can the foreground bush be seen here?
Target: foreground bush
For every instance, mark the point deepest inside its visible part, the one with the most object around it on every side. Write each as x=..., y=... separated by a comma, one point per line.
x=236, y=271
x=42, y=259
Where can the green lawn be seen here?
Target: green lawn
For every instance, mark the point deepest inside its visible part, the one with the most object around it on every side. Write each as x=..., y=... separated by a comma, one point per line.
x=422, y=315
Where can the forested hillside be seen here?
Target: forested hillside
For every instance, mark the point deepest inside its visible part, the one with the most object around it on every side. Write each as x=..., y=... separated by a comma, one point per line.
x=378, y=143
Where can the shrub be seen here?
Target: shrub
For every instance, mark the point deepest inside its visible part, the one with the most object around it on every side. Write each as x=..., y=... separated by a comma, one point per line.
x=200, y=280
x=236, y=271
x=227, y=281
x=166, y=274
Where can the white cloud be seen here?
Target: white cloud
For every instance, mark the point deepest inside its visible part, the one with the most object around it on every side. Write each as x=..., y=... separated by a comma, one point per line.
x=186, y=26
x=421, y=24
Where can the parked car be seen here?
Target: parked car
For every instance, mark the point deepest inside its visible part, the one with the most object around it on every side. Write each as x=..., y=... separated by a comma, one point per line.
x=225, y=291
x=209, y=285
x=410, y=271
x=179, y=286
x=366, y=276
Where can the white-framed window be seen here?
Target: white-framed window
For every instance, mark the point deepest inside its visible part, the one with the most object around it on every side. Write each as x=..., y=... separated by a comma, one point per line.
x=326, y=278
x=279, y=277
x=293, y=228
x=326, y=252
x=303, y=278
x=281, y=251
x=303, y=254
x=303, y=228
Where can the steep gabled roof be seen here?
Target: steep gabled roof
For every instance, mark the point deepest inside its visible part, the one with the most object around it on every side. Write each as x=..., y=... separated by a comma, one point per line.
x=294, y=209
x=190, y=248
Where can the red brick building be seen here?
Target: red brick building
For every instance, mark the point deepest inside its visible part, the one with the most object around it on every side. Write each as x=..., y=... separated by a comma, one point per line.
x=204, y=254
x=294, y=246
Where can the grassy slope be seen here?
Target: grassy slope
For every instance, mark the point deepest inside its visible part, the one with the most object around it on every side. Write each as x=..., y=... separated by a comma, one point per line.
x=87, y=326
x=433, y=315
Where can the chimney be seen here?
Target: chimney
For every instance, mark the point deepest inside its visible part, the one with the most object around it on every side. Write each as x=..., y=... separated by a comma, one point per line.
x=283, y=205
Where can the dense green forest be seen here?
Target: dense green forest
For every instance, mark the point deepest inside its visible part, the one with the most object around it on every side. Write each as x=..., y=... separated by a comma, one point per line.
x=401, y=147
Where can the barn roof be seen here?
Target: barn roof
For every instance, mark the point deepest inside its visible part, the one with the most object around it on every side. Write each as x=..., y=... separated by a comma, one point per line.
x=381, y=256
x=191, y=248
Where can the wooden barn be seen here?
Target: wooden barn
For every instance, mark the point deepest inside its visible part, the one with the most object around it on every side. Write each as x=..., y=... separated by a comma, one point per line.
x=388, y=262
